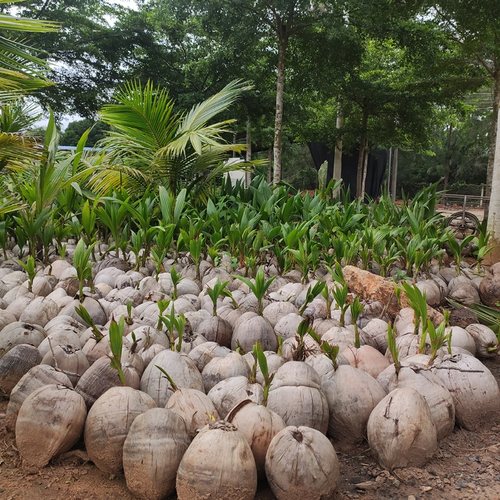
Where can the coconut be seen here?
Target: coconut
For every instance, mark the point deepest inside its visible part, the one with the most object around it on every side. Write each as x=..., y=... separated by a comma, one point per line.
x=276, y=310
x=49, y=423
x=287, y=326
x=152, y=452
x=59, y=336
x=462, y=338
x=150, y=352
x=375, y=334
x=487, y=345
x=20, y=333
x=474, y=389
x=100, y=377
x=301, y=463
x=351, y=394
x=366, y=358
x=296, y=396
x=247, y=332
x=259, y=425
x=231, y=391
x=36, y=377
x=39, y=311
x=232, y=475
x=69, y=360
x=415, y=373
x=15, y=364
x=232, y=365
x=6, y=318
x=204, y=353
x=108, y=423
x=216, y=329
x=195, y=408
x=179, y=367
x=400, y=430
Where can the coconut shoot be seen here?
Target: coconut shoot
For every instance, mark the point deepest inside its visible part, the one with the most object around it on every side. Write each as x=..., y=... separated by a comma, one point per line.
x=261, y=359
x=331, y=352
x=30, y=269
x=356, y=310
x=116, y=331
x=418, y=303
x=173, y=385
x=328, y=299
x=391, y=344
x=87, y=318
x=176, y=279
x=438, y=337
x=340, y=296
x=258, y=287
x=220, y=290
x=311, y=294
x=162, y=305
x=83, y=266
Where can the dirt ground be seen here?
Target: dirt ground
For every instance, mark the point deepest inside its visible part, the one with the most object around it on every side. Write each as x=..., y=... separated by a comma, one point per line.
x=467, y=466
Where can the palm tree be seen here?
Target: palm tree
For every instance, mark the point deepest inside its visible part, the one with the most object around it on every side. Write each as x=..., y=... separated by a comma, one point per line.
x=21, y=71
x=150, y=143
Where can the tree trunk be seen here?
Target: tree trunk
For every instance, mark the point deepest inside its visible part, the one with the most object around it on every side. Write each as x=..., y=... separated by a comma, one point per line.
x=363, y=145
x=394, y=180
x=447, y=160
x=365, y=170
x=248, y=154
x=493, y=129
x=494, y=205
x=337, y=161
x=278, y=119
x=270, y=168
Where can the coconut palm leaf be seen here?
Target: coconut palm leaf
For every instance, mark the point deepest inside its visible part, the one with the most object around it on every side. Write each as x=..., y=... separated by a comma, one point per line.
x=21, y=70
x=151, y=144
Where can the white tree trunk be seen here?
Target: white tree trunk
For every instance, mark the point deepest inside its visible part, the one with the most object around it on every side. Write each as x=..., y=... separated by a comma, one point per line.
x=248, y=155
x=337, y=161
x=494, y=205
x=278, y=119
x=394, y=170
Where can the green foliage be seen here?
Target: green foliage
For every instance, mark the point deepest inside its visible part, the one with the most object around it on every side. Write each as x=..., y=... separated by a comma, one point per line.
x=87, y=318
x=393, y=349
x=151, y=141
x=83, y=265
x=261, y=359
x=116, y=332
x=219, y=290
x=30, y=268
x=418, y=303
x=258, y=286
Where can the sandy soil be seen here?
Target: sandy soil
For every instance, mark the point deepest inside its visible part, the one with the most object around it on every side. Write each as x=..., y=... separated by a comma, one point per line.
x=467, y=466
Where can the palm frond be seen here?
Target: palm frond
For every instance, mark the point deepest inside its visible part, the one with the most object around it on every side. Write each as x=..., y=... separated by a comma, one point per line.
x=194, y=129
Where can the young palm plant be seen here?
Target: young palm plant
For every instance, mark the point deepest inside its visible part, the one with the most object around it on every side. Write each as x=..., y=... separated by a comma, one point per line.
x=258, y=287
x=83, y=266
x=151, y=141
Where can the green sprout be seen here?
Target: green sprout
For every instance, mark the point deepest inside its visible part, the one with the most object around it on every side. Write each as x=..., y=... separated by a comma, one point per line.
x=391, y=343
x=261, y=359
x=259, y=287
x=311, y=294
x=30, y=269
x=220, y=290
x=87, y=318
x=356, y=310
x=83, y=266
x=116, y=332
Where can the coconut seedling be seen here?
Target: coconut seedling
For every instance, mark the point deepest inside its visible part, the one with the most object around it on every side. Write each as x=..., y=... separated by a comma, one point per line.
x=87, y=318
x=163, y=241
x=30, y=268
x=306, y=257
x=438, y=338
x=457, y=248
x=312, y=292
x=356, y=310
x=162, y=305
x=88, y=222
x=418, y=303
x=116, y=332
x=261, y=360
x=176, y=279
x=258, y=287
x=391, y=344
x=83, y=266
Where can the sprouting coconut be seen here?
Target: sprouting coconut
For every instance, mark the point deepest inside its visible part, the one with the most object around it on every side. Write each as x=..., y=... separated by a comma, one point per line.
x=15, y=364
x=400, y=430
x=301, y=463
x=218, y=464
x=50, y=422
x=108, y=423
x=152, y=452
